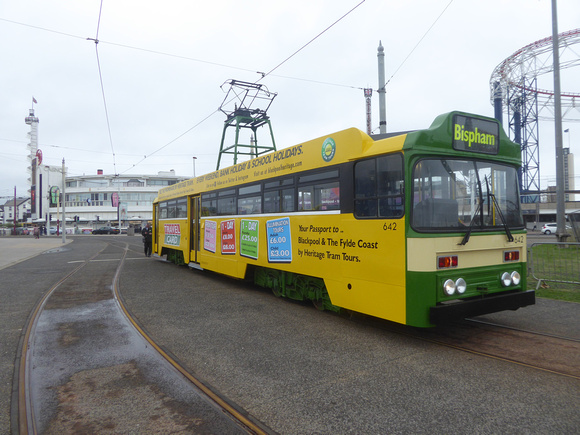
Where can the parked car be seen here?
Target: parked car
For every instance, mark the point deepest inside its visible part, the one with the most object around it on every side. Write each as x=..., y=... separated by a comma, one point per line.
x=53, y=230
x=552, y=227
x=106, y=230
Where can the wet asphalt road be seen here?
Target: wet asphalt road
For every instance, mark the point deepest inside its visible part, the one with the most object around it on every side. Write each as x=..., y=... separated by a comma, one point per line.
x=294, y=368
x=93, y=373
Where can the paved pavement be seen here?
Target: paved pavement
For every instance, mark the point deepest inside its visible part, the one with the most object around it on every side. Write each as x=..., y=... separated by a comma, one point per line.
x=14, y=249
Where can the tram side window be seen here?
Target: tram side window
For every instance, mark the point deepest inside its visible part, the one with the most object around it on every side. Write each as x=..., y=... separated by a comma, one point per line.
x=226, y=202
x=287, y=200
x=171, y=209
x=319, y=197
x=279, y=199
x=250, y=205
x=272, y=201
x=226, y=206
x=318, y=191
x=176, y=208
x=181, y=208
x=379, y=187
x=209, y=207
x=163, y=210
x=365, y=185
x=250, y=199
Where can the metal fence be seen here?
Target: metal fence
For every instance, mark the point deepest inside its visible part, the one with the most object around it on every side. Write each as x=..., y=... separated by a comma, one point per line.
x=574, y=219
x=555, y=262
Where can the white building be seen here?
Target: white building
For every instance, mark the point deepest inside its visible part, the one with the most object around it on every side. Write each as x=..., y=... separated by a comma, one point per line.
x=90, y=199
x=10, y=209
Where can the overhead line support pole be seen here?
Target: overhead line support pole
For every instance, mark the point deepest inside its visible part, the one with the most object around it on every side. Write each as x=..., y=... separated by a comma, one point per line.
x=560, y=206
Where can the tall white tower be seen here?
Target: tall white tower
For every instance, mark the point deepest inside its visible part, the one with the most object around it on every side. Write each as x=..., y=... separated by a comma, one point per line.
x=32, y=157
x=382, y=91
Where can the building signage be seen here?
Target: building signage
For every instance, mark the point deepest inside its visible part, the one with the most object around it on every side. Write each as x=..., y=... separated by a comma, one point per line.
x=54, y=196
x=115, y=199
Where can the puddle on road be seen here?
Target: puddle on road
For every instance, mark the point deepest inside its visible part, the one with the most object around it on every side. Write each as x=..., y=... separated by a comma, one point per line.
x=56, y=250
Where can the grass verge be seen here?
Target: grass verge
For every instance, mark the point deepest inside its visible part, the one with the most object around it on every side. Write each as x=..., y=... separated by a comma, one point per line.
x=558, y=266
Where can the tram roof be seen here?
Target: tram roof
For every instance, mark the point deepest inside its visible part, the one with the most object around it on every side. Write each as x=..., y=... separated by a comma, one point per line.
x=388, y=135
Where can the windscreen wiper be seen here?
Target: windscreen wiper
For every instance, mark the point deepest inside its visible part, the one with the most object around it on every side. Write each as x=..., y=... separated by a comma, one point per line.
x=503, y=221
x=468, y=233
x=499, y=212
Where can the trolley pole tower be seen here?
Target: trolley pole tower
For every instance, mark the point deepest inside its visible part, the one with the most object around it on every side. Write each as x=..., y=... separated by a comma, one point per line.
x=243, y=116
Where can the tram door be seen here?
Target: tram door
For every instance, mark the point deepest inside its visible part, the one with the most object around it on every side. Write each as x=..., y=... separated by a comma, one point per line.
x=155, y=228
x=194, y=237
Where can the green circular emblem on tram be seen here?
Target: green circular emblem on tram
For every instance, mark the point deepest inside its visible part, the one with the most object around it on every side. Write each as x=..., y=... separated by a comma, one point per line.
x=328, y=149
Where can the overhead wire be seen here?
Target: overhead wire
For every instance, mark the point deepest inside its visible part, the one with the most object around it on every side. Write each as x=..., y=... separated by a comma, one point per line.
x=416, y=45
x=43, y=28
x=96, y=40
x=309, y=42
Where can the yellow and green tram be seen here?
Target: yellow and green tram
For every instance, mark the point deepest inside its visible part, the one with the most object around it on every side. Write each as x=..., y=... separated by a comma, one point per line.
x=417, y=227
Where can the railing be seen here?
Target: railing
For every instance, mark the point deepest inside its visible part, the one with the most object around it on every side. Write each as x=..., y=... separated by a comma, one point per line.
x=555, y=262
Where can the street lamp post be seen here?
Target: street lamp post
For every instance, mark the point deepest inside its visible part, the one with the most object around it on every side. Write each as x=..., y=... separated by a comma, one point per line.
x=194, y=159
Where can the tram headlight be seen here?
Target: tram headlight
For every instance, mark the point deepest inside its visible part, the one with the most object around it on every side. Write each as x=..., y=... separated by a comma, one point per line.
x=506, y=279
x=449, y=287
x=460, y=286
x=516, y=278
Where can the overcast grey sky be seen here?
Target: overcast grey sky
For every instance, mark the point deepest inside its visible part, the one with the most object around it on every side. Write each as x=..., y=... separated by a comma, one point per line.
x=162, y=65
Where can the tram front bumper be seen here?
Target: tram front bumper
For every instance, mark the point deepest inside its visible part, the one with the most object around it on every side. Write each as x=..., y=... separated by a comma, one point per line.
x=478, y=307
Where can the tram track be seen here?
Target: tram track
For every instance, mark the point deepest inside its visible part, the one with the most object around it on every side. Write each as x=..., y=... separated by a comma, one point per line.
x=544, y=352
x=64, y=299
x=527, y=331
x=536, y=350
x=26, y=419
